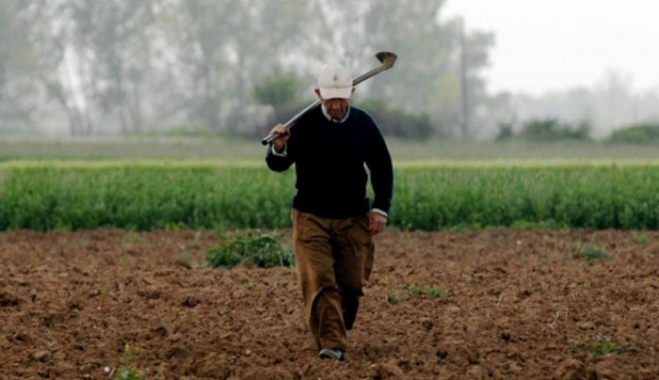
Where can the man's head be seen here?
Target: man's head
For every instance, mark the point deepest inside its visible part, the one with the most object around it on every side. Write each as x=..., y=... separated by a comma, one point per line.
x=335, y=89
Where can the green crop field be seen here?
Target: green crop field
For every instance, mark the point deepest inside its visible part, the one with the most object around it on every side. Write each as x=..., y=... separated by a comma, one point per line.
x=151, y=183
x=429, y=195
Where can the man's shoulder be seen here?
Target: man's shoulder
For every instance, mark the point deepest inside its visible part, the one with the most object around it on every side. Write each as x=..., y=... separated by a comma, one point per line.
x=360, y=112
x=362, y=116
x=309, y=117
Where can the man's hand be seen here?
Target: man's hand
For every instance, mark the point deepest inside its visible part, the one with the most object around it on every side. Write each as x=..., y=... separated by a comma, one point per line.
x=284, y=133
x=376, y=222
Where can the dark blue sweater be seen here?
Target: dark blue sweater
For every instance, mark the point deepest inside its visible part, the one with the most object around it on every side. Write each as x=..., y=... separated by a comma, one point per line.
x=329, y=163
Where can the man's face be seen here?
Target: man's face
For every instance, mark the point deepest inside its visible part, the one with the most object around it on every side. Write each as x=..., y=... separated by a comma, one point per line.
x=336, y=107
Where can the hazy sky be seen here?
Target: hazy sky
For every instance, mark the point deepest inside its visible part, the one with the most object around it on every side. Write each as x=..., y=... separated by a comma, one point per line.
x=549, y=45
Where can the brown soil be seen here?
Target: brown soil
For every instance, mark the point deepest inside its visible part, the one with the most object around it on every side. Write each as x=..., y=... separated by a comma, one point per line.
x=520, y=305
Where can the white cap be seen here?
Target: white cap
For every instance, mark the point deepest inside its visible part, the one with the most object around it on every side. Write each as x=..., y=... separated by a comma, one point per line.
x=335, y=82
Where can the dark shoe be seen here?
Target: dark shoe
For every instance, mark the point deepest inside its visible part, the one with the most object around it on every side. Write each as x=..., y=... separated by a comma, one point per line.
x=332, y=353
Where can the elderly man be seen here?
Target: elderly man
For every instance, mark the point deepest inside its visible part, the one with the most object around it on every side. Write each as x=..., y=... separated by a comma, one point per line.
x=334, y=221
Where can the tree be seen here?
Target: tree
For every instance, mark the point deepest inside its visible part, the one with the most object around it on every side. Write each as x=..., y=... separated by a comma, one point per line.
x=473, y=48
x=17, y=88
x=120, y=66
x=224, y=47
x=91, y=59
x=48, y=37
x=111, y=50
x=437, y=70
x=282, y=92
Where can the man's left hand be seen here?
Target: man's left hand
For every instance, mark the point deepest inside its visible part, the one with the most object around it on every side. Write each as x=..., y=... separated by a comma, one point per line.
x=376, y=222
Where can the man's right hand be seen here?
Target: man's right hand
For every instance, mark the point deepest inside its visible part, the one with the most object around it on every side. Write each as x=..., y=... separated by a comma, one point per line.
x=280, y=142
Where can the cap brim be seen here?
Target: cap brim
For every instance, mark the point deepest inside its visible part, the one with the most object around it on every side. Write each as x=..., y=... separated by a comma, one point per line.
x=331, y=93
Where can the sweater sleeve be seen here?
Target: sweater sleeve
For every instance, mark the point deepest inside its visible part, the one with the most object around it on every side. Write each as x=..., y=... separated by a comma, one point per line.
x=278, y=162
x=379, y=162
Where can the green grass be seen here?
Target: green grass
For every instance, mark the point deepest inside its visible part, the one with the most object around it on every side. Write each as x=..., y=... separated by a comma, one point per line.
x=155, y=194
x=426, y=291
x=414, y=291
x=562, y=196
x=590, y=252
x=602, y=349
x=125, y=371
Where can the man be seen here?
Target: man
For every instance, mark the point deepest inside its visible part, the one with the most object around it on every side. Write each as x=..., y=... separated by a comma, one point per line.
x=333, y=220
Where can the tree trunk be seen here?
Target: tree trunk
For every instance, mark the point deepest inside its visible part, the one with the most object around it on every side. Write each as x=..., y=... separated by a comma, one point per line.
x=464, y=84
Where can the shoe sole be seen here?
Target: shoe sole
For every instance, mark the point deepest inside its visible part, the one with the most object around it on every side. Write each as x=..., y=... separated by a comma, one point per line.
x=327, y=355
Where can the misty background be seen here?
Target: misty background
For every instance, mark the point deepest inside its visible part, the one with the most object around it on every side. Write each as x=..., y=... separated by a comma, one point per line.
x=235, y=68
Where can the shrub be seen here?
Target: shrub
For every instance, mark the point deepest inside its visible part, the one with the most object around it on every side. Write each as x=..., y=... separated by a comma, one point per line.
x=264, y=251
x=636, y=134
x=396, y=122
x=282, y=91
x=505, y=132
x=550, y=129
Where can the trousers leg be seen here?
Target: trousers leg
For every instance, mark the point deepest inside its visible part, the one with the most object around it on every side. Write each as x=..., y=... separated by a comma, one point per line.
x=315, y=266
x=354, y=258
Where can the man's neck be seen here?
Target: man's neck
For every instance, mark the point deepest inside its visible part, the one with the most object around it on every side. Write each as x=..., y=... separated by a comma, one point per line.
x=330, y=118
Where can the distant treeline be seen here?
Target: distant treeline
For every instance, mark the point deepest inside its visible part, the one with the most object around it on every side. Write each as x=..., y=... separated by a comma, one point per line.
x=235, y=68
x=125, y=67
x=554, y=130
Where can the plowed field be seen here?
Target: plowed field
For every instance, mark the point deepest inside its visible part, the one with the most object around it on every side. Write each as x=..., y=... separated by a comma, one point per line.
x=501, y=304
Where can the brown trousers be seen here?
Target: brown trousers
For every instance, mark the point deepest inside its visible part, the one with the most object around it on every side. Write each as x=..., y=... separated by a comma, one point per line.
x=334, y=259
